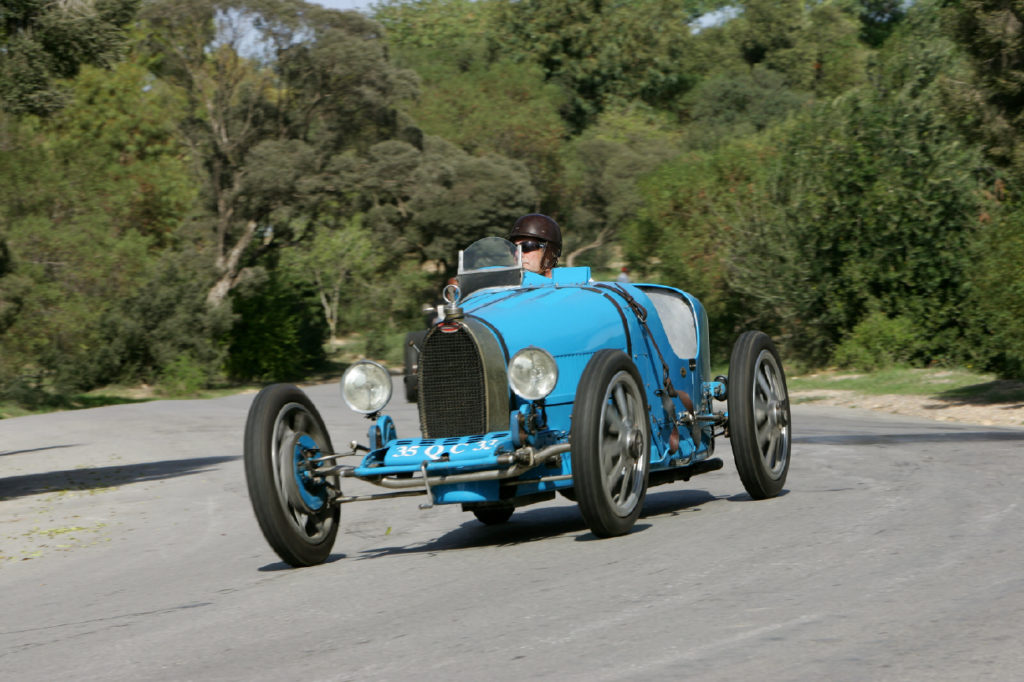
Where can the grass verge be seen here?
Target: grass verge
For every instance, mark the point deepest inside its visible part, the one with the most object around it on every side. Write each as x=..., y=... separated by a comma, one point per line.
x=948, y=384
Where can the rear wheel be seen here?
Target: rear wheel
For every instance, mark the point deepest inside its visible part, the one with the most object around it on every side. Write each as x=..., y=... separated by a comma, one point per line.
x=759, y=417
x=283, y=434
x=610, y=444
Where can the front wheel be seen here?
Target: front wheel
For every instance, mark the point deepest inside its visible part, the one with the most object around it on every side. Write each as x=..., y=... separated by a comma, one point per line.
x=610, y=444
x=283, y=435
x=759, y=418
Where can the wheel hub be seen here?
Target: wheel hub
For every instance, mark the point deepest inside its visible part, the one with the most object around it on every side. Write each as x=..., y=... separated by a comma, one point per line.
x=305, y=492
x=634, y=443
x=777, y=414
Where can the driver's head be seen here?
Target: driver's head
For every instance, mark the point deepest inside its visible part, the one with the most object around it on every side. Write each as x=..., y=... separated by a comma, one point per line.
x=541, y=239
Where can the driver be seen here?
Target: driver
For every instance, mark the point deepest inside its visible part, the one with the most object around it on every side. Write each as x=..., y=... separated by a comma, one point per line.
x=541, y=240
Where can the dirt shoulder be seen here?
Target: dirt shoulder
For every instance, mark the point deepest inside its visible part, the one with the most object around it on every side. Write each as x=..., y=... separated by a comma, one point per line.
x=927, y=407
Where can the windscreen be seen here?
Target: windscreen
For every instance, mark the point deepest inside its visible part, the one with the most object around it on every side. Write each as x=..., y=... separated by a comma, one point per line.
x=489, y=252
x=490, y=262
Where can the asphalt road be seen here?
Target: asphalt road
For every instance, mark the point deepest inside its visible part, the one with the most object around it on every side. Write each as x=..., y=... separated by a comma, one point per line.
x=129, y=551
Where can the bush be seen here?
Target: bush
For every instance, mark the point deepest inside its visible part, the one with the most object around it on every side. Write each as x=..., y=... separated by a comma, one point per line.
x=182, y=377
x=278, y=334
x=879, y=342
x=165, y=325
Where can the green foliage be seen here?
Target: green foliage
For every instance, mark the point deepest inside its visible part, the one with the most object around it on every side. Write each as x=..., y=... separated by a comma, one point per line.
x=492, y=108
x=182, y=377
x=602, y=168
x=42, y=41
x=456, y=28
x=737, y=103
x=338, y=264
x=845, y=175
x=435, y=200
x=485, y=103
x=88, y=195
x=878, y=19
x=861, y=204
x=164, y=328
x=879, y=342
x=276, y=92
x=278, y=334
x=602, y=53
x=870, y=201
x=814, y=46
x=997, y=291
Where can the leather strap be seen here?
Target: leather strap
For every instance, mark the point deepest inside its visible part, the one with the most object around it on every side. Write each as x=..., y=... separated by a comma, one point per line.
x=669, y=391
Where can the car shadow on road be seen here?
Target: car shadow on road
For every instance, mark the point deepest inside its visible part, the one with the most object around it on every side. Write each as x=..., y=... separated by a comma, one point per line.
x=92, y=478
x=675, y=502
x=540, y=523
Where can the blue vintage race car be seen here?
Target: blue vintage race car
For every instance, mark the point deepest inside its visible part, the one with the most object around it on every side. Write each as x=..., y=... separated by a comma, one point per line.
x=529, y=386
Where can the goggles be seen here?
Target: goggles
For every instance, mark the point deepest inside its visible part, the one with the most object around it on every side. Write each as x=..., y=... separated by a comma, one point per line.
x=529, y=245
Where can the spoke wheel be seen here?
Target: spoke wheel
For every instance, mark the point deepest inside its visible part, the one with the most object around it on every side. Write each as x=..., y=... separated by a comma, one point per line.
x=610, y=444
x=759, y=415
x=293, y=505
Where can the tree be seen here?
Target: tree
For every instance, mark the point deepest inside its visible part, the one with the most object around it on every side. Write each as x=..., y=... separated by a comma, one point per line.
x=41, y=41
x=88, y=195
x=275, y=90
x=868, y=208
x=814, y=45
x=436, y=201
x=988, y=101
x=339, y=264
x=738, y=102
x=485, y=103
x=879, y=18
x=992, y=102
x=603, y=167
x=858, y=206
x=603, y=52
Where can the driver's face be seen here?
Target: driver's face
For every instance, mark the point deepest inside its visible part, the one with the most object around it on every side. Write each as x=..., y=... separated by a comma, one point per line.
x=533, y=254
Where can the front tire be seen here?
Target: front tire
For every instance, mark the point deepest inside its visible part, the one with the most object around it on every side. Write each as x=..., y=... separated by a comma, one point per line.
x=293, y=507
x=759, y=416
x=611, y=443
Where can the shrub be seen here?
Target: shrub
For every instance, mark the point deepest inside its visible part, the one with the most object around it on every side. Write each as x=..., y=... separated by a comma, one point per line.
x=878, y=342
x=182, y=377
x=278, y=334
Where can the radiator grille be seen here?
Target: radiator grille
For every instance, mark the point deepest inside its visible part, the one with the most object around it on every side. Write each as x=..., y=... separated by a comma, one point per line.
x=452, y=398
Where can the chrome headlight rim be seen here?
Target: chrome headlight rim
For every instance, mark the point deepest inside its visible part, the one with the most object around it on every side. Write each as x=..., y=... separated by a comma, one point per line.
x=532, y=360
x=369, y=370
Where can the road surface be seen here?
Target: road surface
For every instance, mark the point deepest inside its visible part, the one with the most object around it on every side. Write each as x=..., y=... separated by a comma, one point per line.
x=130, y=551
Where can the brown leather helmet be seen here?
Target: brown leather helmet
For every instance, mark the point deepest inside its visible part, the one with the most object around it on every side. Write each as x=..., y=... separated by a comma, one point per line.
x=541, y=227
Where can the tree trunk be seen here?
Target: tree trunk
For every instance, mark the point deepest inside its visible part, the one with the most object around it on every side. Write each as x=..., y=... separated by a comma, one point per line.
x=229, y=266
x=602, y=237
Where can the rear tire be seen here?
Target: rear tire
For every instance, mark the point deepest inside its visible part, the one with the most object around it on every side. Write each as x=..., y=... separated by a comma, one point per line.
x=759, y=416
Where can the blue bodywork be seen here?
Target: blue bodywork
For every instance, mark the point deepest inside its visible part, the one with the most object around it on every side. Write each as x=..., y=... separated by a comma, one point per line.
x=571, y=317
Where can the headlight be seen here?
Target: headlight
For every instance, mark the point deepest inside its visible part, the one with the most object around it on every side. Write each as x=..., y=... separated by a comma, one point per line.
x=366, y=386
x=532, y=373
